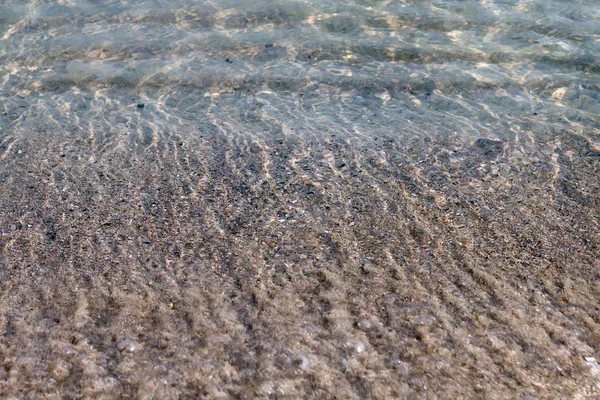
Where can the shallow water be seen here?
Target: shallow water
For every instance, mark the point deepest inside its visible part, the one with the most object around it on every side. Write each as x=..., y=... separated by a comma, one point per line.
x=326, y=199
x=491, y=68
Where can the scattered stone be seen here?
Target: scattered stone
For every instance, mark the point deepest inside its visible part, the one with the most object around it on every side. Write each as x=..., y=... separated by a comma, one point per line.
x=559, y=93
x=141, y=105
x=269, y=45
x=60, y=370
x=163, y=369
x=128, y=346
x=300, y=361
x=488, y=147
x=356, y=345
x=364, y=324
x=402, y=367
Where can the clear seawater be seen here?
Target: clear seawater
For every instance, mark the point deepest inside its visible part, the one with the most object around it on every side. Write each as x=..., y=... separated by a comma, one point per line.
x=479, y=68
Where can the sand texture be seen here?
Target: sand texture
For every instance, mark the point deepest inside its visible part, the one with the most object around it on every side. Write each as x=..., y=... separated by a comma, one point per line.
x=281, y=199
x=230, y=266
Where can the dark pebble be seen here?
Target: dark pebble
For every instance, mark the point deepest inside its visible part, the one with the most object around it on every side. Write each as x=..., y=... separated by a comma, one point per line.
x=269, y=45
x=141, y=105
x=488, y=147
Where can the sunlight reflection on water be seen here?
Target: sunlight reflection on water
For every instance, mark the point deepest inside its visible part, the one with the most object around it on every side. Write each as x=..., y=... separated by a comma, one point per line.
x=479, y=61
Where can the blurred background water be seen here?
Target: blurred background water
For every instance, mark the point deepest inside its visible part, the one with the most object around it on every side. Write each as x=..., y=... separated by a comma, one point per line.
x=492, y=68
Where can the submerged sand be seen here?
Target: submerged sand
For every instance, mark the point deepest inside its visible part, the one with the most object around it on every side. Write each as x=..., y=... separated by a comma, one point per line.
x=281, y=199
x=235, y=265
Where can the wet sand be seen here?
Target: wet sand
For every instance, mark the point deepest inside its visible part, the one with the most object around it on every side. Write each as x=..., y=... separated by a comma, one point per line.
x=213, y=265
x=277, y=199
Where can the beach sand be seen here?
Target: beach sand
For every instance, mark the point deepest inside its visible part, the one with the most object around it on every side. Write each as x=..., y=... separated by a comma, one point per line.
x=224, y=264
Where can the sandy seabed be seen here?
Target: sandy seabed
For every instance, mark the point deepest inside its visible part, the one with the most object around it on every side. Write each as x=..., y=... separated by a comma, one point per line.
x=230, y=266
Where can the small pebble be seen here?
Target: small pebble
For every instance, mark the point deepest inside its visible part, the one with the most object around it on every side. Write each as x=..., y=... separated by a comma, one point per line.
x=402, y=367
x=161, y=368
x=128, y=345
x=300, y=361
x=269, y=45
x=356, y=345
x=141, y=105
x=60, y=370
x=364, y=324
x=559, y=93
